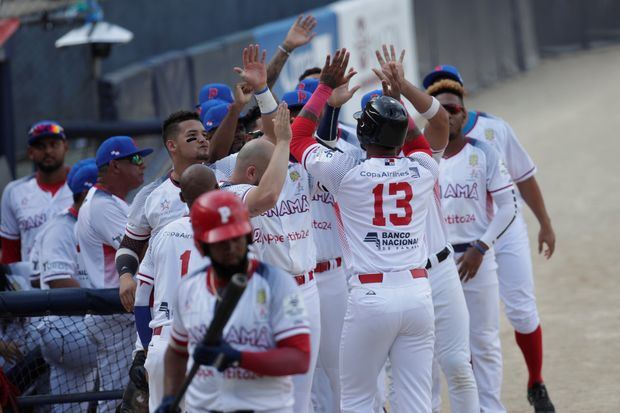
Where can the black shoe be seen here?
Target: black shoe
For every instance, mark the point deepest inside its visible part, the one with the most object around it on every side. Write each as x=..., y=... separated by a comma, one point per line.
x=539, y=398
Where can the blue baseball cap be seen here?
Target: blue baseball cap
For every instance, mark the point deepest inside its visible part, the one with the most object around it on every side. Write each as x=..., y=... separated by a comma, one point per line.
x=118, y=147
x=82, y=176
x=296, y=98
x=214, y=117
x=308, y=85
x=204, y=107
x=442, y=72
x=212, y=91
x=370, y=95
x=44, y=129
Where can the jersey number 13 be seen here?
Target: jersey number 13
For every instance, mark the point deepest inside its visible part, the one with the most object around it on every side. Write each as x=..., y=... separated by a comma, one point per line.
x=404, y=194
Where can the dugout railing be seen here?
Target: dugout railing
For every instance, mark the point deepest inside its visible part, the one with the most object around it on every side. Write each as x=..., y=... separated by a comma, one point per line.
x=50, y=329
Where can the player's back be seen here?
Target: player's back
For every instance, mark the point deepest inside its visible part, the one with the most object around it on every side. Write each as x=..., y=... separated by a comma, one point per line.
x=383, y=203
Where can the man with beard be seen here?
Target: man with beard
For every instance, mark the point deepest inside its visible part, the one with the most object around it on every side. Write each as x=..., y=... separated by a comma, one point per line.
x=267, y=338
x=27, y=203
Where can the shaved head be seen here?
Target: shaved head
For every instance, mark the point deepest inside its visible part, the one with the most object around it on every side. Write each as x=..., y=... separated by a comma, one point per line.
x=195, y=181
x=252, y=161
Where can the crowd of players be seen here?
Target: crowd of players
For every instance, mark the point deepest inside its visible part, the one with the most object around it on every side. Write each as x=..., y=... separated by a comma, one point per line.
x=373, y=250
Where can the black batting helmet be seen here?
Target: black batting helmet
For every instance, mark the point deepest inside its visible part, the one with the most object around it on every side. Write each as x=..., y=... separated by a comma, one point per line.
x=382, y=122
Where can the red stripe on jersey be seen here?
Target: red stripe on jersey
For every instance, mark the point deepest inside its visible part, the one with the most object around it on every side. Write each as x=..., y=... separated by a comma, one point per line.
x=497, y=190
x=303, y=136
x=490, y=212
x=11, y=250
x=147, y=276
x=419, y=144
x=110, y=277
x=524, y=175
x=133, y=234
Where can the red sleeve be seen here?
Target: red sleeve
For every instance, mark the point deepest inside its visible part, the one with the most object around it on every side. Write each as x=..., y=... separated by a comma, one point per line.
x=11, y=250
x=419, y=144
x=303, y=127
x=292, y=356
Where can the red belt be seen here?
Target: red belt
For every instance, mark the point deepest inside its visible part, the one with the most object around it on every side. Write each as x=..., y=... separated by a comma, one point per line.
x=157, y=330
x=328, y=265
x=301, y=278
x=377, y=278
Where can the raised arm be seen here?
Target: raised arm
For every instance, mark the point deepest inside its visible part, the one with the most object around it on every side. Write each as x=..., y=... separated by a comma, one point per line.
x=254, y=73
x=328, y=127
x=299, y=34
x=224, y=136
x=265, y=195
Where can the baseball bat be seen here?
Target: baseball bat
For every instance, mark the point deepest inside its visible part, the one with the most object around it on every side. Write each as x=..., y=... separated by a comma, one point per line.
x=223, y=311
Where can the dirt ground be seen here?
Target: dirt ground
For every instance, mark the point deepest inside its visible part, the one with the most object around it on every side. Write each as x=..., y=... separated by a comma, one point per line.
x=563, y=112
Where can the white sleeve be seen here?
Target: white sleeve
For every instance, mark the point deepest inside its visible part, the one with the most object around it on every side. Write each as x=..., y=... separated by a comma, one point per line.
x=9, y=227
x=518, y=161
x=327, y=166
x=426, y=161
x=225, y=166
x=138, y=226
x=110, y=223
x=498, y=178
x=288, y=315
x=506, y=202
x=241, y=190
x=58, y=260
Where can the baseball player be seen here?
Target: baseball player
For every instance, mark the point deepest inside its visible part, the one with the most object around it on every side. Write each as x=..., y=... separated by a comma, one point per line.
x=27, y=203
x=512, y=251
x=284, y=237
x=389, y=309
x=158, y=203
x=267, y=337
x=171, y=255
x=99, y=231
x=64, y=344
x=472, y=177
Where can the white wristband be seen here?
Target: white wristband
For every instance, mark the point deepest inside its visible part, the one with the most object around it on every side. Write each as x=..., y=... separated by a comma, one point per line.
x=266, y=102
x=432, y=110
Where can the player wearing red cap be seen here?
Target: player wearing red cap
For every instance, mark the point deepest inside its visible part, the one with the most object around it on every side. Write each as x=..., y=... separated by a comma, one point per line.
x=267, y=338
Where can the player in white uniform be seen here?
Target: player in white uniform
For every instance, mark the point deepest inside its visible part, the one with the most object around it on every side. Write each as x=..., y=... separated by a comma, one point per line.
x=472, y=178
x=99, y=231
x=389, y=310
x=27, y=203
x=267, y=337
x=512, y=251
x=64, y=344
x=171, y=255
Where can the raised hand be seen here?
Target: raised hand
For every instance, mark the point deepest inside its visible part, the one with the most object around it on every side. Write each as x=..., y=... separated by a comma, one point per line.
x=342, y=94
x=300, y=33
x=388, y=57
x=243, y=94
x=389, y=80
x=282, y=123
x=334, y=73
x=254, y=71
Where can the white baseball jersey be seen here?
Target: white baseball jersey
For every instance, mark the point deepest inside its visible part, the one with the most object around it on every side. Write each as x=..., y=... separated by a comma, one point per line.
x=154, y=206
x=383, y=204
x=467, y=180
x=271, y=309
x=99, y=231
x=224, y=167
x=500, y=136
x=170, y=256
x=58, y=259
x=26, y=207
x=283, y=236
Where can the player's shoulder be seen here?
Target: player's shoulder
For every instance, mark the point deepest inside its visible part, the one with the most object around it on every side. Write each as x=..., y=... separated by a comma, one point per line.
x=179, y=229
x=484, y=148
x=155, y=189
x=240, y=190
x=17, y=184
x=59, y=226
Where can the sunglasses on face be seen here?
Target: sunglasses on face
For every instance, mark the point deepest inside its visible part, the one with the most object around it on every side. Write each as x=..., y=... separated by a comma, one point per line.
x=46, y=128
x=453, y=109
x=136, y=159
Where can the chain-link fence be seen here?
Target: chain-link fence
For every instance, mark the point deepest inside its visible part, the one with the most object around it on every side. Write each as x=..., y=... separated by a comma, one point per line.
x=65, y=350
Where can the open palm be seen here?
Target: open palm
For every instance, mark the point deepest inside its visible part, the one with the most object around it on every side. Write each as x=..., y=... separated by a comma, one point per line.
x=254, y=71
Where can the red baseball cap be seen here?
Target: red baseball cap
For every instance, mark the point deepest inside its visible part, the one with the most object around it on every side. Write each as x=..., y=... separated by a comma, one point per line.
x=218, y=216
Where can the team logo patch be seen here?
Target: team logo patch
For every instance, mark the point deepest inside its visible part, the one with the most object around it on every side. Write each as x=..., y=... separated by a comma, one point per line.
x=165, y=205
x=115, y=153
x=489, y=134
x=387, y=241
x=390, y=162
x=473, y=159
x=374, y=238
x=261, y=296
x=293, y=306
x=294, y=176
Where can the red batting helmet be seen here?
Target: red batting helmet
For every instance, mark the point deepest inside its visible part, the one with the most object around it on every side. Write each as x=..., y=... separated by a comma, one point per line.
x=218, y=216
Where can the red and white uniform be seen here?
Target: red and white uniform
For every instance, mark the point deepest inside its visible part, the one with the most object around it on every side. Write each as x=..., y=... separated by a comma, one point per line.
x=512, y=250
x=99, y=231
x=270, y=310
x=383, y=204
x=283, y=237
x=469, y=182
x=170, y=256
x=26, y=205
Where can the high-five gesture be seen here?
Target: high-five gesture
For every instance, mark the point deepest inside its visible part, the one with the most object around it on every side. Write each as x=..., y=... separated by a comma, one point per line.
x=342, y=94
x=254, y=71
x=389, y=80
x=334, y=72
x=300, y=33
x=389, y=57
x=282, y=124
